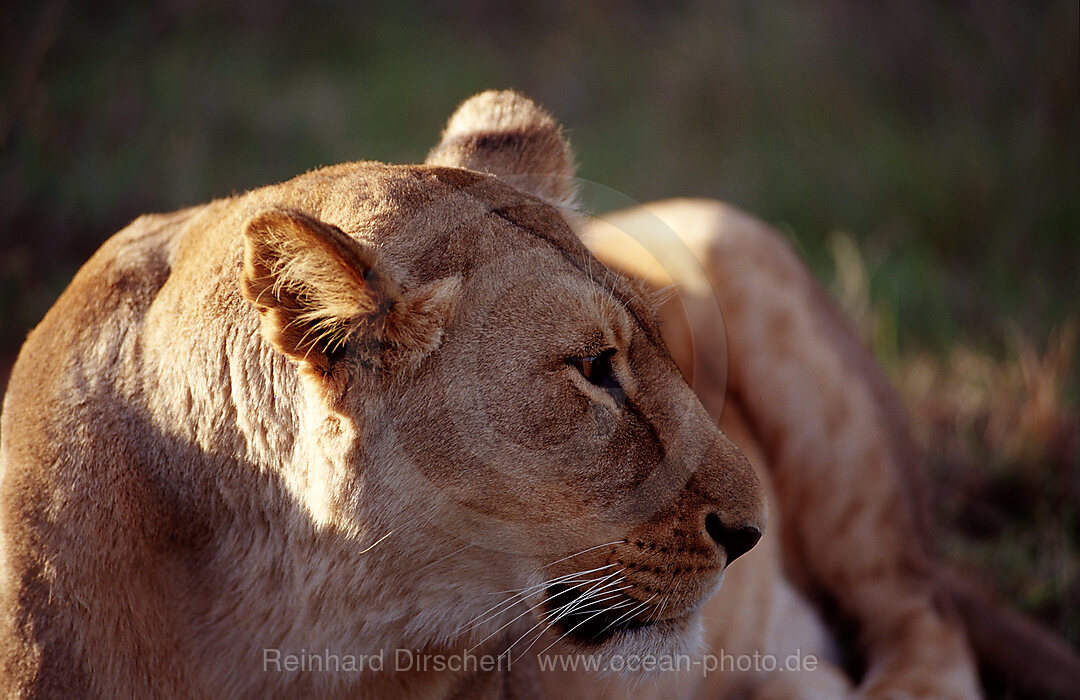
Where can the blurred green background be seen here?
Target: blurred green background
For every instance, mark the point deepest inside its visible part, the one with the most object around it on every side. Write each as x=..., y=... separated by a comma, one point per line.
x=942, y=136
x=922, y=155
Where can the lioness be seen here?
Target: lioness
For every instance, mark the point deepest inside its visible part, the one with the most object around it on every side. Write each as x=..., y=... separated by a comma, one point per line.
x=394, y=431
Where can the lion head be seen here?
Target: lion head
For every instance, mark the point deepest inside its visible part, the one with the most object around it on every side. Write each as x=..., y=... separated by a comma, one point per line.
x=512, y=400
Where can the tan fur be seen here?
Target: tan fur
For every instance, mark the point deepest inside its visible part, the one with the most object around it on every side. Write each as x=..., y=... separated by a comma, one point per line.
x=503, y=132
x=341, y=414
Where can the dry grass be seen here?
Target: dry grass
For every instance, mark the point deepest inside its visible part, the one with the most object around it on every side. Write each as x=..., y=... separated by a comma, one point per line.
x=1001, y=435
x=1002, y=442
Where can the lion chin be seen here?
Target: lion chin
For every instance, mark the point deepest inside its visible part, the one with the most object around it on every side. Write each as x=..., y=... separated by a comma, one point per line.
x=670, y=638
x=606, y=630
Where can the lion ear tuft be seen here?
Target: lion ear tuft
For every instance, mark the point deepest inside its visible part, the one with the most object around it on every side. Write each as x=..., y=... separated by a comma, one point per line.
x=508, y=135
x=415, y=324
x=314, y=286
x=320, y=291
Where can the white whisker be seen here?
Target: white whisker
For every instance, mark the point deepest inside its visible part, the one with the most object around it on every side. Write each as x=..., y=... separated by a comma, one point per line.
x=554, y=580
x=601, y=612
x=620, y=618
x=521, y=593
x=550, y=619
x=371, y=546
x=590, y=549
x=518, y=617
x=589, y=596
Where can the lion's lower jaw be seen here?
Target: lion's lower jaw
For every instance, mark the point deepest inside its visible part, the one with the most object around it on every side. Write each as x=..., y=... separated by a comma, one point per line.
x=668, y=639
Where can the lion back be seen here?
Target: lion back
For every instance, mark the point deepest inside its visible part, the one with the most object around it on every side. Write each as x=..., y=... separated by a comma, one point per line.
x=69, y=425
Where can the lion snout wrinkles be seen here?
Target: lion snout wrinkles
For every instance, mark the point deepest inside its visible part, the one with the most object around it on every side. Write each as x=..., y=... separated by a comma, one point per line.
x=719, y=515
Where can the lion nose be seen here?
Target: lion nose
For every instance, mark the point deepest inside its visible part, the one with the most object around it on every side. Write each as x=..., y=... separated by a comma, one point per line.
x=736, y=541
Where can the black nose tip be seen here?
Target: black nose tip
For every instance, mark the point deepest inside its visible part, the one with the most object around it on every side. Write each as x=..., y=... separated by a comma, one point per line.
x=736, y=541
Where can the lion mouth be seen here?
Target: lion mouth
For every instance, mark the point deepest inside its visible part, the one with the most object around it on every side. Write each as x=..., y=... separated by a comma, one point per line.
x=588, y=622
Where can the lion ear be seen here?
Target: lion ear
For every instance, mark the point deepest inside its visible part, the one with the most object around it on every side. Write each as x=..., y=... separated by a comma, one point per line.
x=508, y=135
x=314, y=286
x=318, y=291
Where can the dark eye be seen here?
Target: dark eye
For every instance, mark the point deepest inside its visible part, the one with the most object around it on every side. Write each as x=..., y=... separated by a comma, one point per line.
x=597, y=369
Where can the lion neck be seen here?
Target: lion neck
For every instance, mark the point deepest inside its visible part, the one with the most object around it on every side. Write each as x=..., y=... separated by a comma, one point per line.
x=287, y=543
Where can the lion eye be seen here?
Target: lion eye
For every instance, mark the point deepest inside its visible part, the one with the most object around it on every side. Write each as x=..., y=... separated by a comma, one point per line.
x=597, y=369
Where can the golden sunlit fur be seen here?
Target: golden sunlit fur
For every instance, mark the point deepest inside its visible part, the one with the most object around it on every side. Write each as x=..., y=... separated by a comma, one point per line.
x=345, y=415
x=378, y=409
